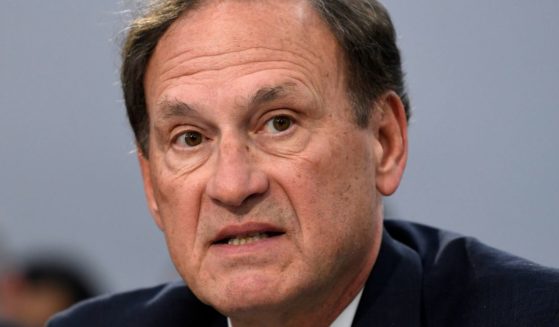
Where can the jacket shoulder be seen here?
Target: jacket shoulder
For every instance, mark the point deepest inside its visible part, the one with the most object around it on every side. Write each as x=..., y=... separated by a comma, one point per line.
x=171, y=305
x=468, y=283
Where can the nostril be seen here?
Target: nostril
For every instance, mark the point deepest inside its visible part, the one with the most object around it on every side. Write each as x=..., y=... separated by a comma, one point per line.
x=251, y=197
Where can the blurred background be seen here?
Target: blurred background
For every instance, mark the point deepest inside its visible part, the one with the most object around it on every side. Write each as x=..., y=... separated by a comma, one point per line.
x=484, y=83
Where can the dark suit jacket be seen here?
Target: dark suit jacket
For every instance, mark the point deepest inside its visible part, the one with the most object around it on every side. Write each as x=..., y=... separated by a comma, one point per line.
x=423, y=277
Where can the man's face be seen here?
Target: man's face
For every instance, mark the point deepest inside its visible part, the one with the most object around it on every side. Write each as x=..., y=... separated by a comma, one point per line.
x=257, y=174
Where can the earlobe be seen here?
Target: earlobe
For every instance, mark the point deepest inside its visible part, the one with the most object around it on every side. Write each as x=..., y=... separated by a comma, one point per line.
x=392, y=136
x=148, y=187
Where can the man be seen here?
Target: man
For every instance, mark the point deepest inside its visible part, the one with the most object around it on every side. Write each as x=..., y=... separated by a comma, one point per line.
x=268, y=133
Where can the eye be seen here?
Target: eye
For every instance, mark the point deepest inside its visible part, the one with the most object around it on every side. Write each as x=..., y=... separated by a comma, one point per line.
x=190, y=138
x=279, y=123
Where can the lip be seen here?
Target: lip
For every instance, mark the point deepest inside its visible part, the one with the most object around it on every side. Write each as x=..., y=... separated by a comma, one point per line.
x=245, y=229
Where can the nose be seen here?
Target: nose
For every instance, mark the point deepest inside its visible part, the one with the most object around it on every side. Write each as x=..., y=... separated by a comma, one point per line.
x=236, y=176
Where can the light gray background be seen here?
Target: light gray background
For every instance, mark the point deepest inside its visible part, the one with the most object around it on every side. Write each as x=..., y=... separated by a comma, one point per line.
x=484, y=81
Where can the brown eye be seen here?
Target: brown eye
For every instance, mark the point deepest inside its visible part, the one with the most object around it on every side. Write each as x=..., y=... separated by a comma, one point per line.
x=191, y=138
x=279, y=123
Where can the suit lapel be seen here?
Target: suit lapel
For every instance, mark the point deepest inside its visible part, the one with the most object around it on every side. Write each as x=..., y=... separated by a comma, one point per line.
x=392, y=294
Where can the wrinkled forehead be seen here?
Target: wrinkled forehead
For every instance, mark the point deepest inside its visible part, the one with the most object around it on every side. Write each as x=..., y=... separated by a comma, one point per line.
x=233, y=33
x=218, y=26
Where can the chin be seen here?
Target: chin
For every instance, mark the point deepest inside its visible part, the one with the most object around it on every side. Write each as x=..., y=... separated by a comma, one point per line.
x=251, y=294
x=249, y=304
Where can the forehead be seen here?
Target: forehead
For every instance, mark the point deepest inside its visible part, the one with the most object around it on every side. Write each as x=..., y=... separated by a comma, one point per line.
x=224, y=33
x=216, y=25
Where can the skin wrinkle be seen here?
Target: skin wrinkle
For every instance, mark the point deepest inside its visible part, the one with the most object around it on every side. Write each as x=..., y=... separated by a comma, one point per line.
x=251, y=65
x=193, y=15
x=172, y=110
x=168, y=232
x=308, y=87
x=215, y=57
x=182, y=77
x=267, y=209
x=217, y=136
x=258, y=150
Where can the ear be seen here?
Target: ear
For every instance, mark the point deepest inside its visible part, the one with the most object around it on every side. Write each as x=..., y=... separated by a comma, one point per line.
x=391, y=152
x=148, y=187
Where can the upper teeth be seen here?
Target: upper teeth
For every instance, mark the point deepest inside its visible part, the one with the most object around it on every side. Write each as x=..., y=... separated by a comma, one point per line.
x=240, y=240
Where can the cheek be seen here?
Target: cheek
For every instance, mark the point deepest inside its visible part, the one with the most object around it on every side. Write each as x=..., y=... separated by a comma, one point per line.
x=177, y=193
x=333, y=189
x=344, y=166
x=178, y=200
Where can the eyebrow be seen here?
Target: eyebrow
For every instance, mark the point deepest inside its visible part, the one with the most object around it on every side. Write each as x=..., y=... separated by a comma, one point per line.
x=269, y=94
x=174, y=108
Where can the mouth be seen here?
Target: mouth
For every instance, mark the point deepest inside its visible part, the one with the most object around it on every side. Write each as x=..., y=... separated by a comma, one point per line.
x=247, y=238
x=247, y=233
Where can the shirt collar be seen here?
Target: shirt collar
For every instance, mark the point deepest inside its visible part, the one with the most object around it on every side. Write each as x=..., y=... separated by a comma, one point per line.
x=344, y=319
